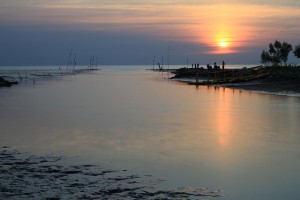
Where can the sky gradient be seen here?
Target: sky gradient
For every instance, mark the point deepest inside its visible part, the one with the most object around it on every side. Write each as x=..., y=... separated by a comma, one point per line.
x=40, y=32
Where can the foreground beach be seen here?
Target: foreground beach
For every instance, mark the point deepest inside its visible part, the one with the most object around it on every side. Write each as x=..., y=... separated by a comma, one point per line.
x=25, y=176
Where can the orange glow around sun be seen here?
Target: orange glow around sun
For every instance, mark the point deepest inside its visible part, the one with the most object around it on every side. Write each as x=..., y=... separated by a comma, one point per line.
x=223, y=44
x=221, y=32
x=217, y=28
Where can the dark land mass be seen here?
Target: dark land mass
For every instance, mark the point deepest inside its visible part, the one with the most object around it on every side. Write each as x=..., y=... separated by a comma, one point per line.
x=283, y=79
x=6, y=83
x=273, y=84
x=26, y=176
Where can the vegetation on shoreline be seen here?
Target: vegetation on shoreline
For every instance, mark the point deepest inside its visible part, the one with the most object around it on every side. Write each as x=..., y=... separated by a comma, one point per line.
x=278, y=54
x=275, y=75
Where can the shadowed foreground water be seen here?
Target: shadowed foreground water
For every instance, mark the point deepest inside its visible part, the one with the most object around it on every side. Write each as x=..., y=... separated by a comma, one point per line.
x=246, y=144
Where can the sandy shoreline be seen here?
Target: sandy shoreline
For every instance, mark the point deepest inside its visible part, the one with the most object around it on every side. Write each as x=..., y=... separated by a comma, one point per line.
x=25, y=176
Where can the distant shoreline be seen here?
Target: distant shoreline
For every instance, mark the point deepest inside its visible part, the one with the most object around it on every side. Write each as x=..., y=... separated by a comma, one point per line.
x=13, y=77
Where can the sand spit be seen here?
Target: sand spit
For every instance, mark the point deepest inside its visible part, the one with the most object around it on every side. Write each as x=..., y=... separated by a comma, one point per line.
x=26, y=176
x=15, y=76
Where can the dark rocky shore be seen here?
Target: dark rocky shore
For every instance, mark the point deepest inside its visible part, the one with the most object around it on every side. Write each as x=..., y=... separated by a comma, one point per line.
x=278, y=80
x=6, y=83
x=26, y=176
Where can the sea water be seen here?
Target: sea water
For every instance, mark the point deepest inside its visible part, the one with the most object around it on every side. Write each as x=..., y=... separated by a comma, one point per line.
x=244, y=143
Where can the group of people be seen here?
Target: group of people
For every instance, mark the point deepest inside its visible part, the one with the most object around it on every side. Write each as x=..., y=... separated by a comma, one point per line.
x=216, y=67
x=196, y=66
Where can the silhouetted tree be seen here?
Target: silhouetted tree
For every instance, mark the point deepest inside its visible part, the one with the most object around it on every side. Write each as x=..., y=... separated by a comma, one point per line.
x=278, y=53
x=265, y=57
x=297, y=51
x=285, y=50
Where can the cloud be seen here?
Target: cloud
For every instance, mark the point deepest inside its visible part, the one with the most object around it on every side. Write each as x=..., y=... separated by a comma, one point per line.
x=193, y=25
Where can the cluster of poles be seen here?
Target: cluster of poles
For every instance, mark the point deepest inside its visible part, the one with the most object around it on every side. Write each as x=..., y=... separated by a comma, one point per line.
x=71, y=61
x=93, y=63
x=71, y=64
x=161, y=65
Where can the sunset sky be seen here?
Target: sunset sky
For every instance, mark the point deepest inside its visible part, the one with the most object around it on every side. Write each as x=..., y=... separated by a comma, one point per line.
x=40, y=32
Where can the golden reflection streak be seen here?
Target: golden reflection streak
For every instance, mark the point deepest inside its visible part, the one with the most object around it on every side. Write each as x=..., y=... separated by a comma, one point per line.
x=223, y=117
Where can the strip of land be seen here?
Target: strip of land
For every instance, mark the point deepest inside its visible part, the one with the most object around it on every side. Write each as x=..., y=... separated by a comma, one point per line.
x=12, y=77
x=283, y=80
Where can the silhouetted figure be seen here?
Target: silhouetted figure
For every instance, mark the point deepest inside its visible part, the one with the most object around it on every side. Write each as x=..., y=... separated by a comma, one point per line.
x=158, y=65
x=209, y=67
x=216, y=67
x=223, y=65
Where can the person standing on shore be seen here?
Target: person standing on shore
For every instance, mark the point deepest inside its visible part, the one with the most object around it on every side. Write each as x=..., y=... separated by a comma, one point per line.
x=223, y=65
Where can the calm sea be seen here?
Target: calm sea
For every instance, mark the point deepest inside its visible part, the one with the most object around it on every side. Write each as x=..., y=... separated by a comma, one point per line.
x=245, y=143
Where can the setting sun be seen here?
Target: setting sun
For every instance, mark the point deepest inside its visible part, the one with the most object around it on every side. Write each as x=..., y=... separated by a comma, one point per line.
x=223, y=44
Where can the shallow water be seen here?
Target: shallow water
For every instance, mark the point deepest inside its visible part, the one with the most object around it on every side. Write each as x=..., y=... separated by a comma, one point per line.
x=245, y=143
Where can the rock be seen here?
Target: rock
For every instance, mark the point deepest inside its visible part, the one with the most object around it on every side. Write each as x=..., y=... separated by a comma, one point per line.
x=5, y=83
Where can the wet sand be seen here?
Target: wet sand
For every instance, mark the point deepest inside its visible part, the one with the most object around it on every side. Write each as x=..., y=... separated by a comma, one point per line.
x=25, y=176
x=281, y=81
x=280, y=87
